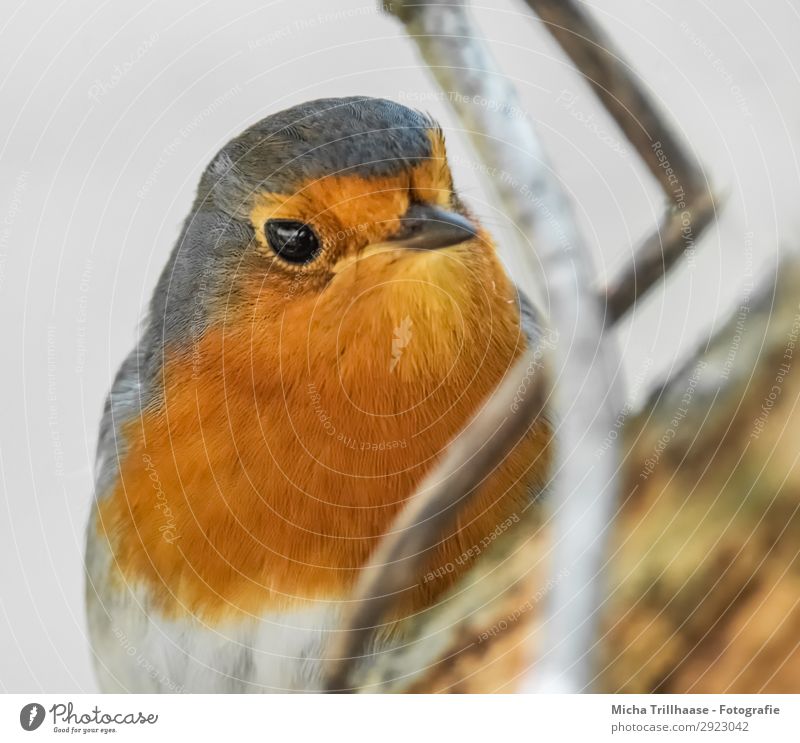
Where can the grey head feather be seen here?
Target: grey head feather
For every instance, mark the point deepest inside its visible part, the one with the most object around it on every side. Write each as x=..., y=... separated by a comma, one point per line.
x=372, y=137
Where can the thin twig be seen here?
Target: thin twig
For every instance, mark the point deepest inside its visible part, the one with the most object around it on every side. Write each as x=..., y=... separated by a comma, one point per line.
x=656, y=255
x=397, y=563
x=691, y=203
x=620, y=91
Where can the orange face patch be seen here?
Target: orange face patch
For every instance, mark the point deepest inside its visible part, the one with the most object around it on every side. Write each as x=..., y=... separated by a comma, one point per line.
x=349, y=212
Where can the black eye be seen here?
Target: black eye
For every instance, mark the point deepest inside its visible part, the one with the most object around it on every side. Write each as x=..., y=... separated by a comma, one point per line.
x=293, y=241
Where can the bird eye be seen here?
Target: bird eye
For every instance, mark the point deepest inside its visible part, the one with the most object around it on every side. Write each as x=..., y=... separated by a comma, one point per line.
x=293, y=241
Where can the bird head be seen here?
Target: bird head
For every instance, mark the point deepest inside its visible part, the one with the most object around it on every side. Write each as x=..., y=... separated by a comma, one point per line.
x=337, y=222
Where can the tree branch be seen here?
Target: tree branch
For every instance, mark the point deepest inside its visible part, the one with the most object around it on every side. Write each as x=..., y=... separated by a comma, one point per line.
x=652, y=260
x=680, y=176
x=620, y=91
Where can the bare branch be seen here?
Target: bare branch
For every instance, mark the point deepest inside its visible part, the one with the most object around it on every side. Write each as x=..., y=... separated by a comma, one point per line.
x=397, y=563
x=621, y=92
x=679, y=174
x=658, y=253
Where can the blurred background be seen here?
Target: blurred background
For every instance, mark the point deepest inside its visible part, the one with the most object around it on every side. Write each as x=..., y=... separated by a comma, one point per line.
x=111, y=110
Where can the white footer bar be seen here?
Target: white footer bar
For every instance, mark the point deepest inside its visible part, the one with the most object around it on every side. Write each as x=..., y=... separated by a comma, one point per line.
x=405, y=719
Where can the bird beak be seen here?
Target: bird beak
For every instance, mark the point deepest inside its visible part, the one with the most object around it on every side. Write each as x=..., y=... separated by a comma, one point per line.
x=428, y=227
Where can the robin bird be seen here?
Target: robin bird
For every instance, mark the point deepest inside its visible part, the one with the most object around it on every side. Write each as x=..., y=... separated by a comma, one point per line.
x=329, y=319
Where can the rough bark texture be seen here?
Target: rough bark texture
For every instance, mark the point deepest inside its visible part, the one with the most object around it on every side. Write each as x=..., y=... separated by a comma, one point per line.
x=706, y=571
x=705, y=593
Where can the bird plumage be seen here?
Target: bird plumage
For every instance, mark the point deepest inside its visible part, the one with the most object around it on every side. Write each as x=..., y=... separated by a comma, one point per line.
x=269, y=425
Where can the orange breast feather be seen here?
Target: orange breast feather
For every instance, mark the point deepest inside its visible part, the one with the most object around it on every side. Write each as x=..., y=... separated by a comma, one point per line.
x=285, y=443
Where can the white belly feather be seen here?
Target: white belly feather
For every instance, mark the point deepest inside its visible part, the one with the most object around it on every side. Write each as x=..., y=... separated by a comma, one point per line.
x=136, y=650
